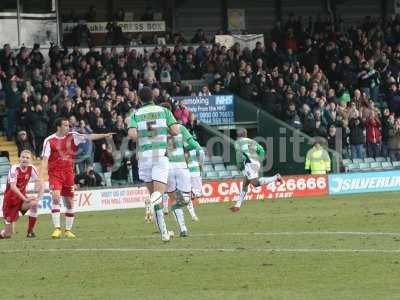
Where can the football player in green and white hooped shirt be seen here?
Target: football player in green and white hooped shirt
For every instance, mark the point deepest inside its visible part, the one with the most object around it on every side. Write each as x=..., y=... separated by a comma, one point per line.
x=194, y=155
x=249, y=155
x=179, y=183
x=150, y=125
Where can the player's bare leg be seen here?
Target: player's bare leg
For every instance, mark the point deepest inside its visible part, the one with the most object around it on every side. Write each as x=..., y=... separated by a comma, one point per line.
x=56, y=214
x=69, y=217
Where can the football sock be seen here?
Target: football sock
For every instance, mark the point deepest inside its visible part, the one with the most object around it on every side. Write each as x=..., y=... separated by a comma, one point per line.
x=160, y=222
x=190, y=208
x=69, y=219
x=165, y=200
x=32, y=218
x=242, y=197
x=266, y=180
x=179, y=217
x=155, y=200
x=55, y=215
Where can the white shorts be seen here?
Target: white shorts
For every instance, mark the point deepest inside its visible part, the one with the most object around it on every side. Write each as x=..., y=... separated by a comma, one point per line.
x=251, y=170
x=197, y=186
x=154, y=169
x=179, y=179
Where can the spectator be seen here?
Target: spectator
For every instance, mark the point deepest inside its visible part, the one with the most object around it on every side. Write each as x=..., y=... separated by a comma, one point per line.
x=39, y=121
x=199, y=36
x=89, y=178
x=374, y=136
x=205, y=92
x=181, y=113
x=84, y=156
x=23, y=142
x=292, y=118
x=394, y=140
x=106, y=158
x=81, y=35
x=387, y=123
x=356, y=136
x=13, y=103
x=115, y=36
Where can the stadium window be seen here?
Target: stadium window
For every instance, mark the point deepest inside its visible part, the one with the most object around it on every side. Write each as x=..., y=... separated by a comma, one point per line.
x=36, y=6
x=8, y=6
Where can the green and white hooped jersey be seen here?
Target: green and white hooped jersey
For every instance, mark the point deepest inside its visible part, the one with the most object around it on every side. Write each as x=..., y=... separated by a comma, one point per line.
x=193, y=163
x=176, y=153
x=152, y=122
x=247, y=150
x=192, y=149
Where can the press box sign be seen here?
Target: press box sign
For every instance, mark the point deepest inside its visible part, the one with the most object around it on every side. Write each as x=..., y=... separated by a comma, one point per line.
x=101, y=27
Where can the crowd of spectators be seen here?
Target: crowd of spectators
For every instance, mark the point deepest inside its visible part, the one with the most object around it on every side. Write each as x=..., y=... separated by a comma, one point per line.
x=326, y=81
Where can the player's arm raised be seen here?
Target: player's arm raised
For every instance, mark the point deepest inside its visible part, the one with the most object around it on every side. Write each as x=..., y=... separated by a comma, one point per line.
x=192, y=144
x=173, y=126
x=132, y=128
x=99, y=136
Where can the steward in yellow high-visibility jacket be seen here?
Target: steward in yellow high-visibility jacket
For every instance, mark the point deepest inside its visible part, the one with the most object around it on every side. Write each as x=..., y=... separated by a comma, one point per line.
x=317, y=160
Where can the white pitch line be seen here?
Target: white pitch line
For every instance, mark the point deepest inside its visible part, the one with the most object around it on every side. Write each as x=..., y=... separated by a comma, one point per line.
x=269, y=250
x=200, y=235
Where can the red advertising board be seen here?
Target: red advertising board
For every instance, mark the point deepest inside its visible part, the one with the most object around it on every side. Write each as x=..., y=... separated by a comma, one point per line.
x=292, y=186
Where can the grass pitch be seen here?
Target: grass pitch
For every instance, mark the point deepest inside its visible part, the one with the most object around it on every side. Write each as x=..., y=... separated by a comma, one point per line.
x=308, y=248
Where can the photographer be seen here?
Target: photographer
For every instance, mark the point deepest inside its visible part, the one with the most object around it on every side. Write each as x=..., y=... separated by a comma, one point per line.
x=89, y=179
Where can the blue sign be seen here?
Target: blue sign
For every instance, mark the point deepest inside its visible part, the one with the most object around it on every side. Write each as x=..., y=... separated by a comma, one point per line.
x=352, y=183
x=212, y=110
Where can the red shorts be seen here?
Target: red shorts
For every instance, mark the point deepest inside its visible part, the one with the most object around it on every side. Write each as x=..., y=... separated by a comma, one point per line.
x=63, y=181
x=12, y=206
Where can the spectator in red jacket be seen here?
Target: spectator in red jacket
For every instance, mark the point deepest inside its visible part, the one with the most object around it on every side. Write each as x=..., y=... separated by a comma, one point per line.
x=181, y=113
x=374, y=135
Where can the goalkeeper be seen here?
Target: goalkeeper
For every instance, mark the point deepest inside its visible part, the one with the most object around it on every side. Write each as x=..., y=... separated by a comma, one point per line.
x=249, y=155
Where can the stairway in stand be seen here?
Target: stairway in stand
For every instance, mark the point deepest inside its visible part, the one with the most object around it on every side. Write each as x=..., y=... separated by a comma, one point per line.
x=12, y=149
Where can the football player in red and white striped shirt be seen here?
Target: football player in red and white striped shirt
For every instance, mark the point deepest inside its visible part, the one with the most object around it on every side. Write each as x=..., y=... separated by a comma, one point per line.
x=16, y=200
x=58, y=155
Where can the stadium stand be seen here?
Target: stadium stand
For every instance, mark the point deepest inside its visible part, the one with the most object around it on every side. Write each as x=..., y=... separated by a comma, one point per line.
x=321, y=77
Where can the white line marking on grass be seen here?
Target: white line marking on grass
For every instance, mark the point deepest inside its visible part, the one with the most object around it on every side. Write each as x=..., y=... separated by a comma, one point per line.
x=244, y=234
x=270, y=250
